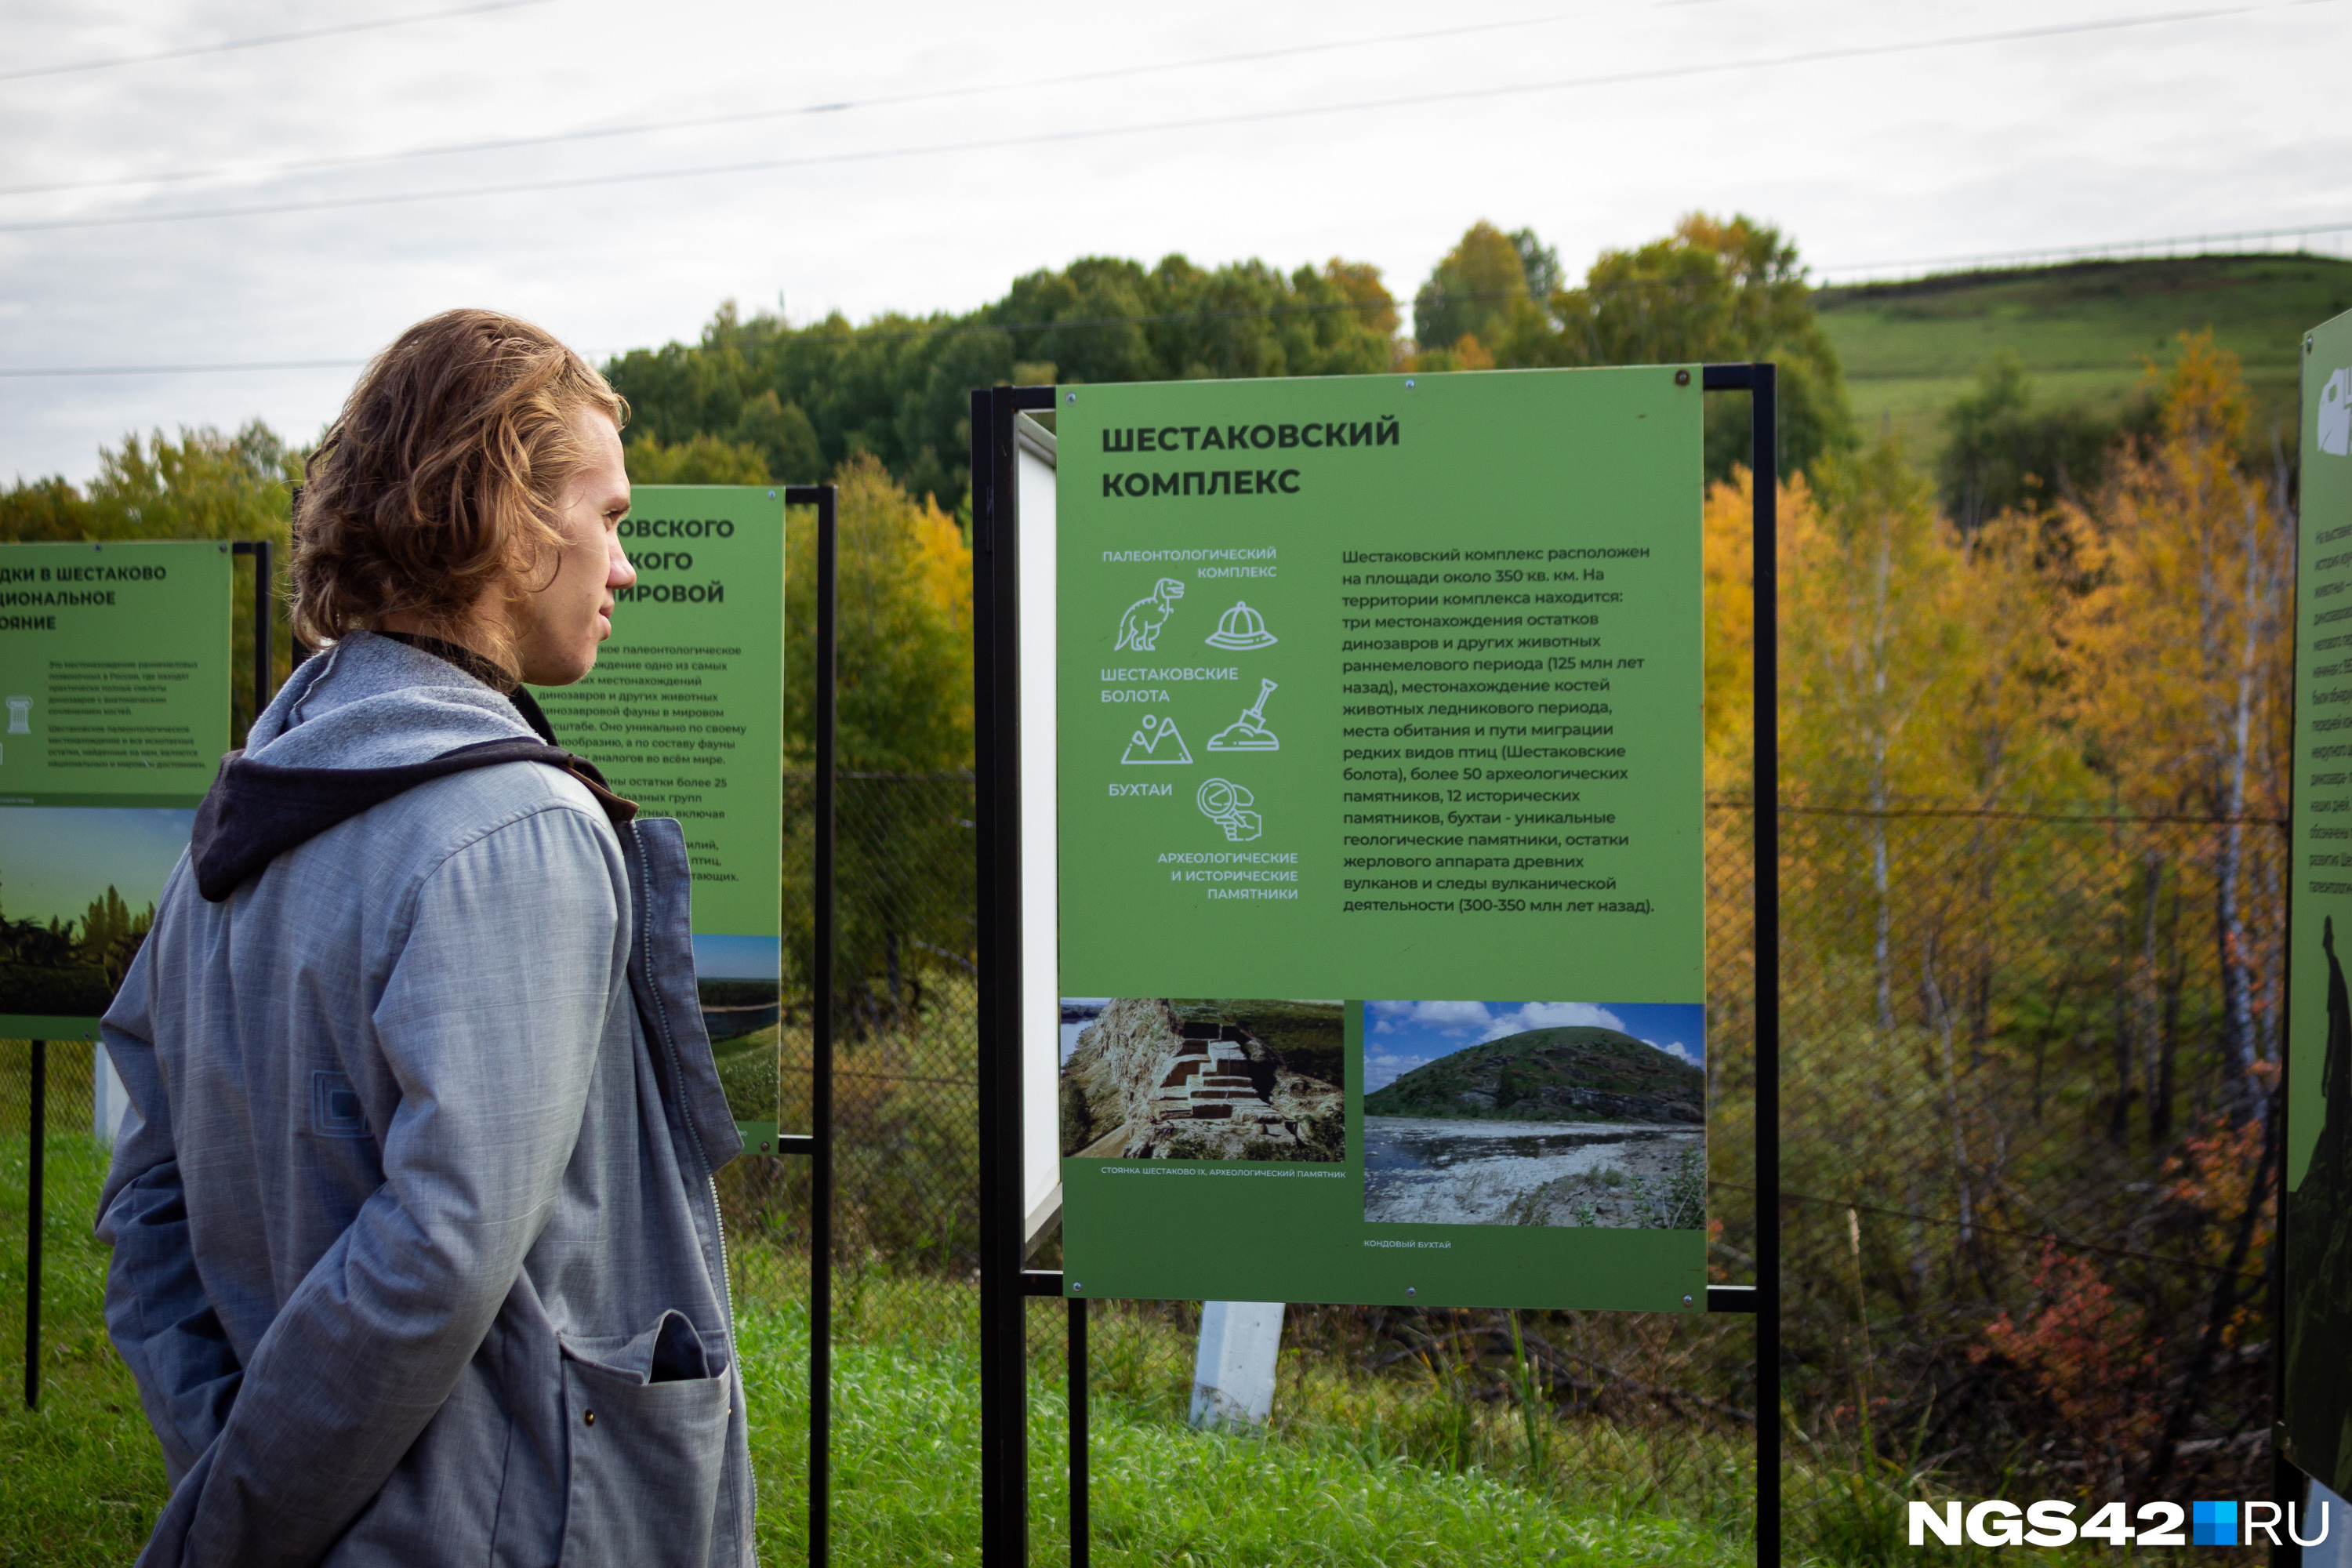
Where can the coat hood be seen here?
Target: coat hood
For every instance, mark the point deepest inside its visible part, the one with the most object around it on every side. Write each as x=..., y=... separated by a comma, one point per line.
x=369, y=718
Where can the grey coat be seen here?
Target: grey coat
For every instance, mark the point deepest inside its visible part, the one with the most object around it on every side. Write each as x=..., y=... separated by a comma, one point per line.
x=417, y=1255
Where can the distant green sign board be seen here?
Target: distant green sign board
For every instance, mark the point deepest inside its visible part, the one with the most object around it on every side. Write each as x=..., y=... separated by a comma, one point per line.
x=114, y=671
x=2319, y=930
x=1381, y=904
x=683, y=714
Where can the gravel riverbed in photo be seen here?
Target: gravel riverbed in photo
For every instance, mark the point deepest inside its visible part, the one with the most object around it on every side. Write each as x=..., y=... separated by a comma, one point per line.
x=1428, y=1171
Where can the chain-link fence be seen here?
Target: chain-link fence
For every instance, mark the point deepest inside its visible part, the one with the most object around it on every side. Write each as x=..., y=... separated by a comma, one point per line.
x=2027, y=1068
x=72, y=1265
x=2025, y=1079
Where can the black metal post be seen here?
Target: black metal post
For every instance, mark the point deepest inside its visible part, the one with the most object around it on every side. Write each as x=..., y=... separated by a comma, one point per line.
x=1081, y=1546
x=820, y=1145
x=996, y=622
x=264, y=585
x=41, y=1130
x=1761, y=382
x=1764, y=403
x=1003, y=1438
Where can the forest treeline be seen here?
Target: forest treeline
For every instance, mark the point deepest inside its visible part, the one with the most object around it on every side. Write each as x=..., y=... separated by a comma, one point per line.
x=758, y=395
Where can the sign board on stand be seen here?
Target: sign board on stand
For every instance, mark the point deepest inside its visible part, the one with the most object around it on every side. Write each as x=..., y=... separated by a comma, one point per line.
x=115, y=669
x=683, y=714
x=2316, y=1401
x=1377, y=728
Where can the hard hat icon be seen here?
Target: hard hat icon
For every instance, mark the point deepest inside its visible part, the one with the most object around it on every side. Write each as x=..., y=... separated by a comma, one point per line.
x=1242, y=628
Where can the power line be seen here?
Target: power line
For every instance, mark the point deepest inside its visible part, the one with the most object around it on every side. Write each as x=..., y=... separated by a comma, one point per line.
x=1053, y=138
x=184, y=369
x=269, y=39
x=747, y=116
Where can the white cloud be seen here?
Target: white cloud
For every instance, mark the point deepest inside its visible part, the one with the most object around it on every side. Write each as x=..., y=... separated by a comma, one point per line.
x=1447, y=1017
x=1383, y=1070
x=1551, y=1015
x=1677, y=1050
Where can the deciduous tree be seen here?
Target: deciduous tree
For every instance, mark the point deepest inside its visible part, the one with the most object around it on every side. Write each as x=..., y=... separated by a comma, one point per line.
x=2182, y=658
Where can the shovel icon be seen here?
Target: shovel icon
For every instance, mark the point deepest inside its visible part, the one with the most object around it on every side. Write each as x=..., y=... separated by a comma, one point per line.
x=1248, y=732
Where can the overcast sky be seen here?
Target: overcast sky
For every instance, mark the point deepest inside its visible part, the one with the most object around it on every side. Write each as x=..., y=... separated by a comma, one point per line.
x=1343, y=137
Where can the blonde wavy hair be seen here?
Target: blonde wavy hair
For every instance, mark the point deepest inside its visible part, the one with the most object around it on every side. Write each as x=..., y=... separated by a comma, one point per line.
x=443, y=479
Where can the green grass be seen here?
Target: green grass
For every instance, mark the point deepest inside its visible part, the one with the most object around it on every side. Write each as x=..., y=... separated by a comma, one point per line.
x=2084, y=332
x=1351, y=1471
x=81, y=1480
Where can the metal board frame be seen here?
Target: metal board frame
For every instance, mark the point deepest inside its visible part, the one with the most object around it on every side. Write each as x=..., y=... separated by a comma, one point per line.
x=1004, y=1285
x=817, y=1143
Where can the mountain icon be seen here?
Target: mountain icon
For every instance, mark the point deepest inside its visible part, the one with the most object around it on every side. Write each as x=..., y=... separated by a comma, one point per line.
x=1156, y=741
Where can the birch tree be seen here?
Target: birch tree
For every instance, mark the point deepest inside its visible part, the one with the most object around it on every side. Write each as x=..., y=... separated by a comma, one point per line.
x=2183, y=660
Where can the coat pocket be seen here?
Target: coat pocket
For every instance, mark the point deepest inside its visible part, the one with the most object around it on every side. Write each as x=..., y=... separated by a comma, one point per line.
x=647, y=1422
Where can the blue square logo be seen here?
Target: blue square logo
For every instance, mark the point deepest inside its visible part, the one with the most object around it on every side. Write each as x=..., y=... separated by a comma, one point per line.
x=2213, y=1524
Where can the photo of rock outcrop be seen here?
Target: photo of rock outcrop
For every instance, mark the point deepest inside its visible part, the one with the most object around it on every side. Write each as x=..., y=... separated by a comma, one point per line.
x=1543, y=1113
x=1157, y=1078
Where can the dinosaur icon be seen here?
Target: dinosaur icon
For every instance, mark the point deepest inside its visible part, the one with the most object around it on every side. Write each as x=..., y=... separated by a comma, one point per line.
x=1145, y=744
x=1226, y=803
x=1248, y=732
x=1139, y=627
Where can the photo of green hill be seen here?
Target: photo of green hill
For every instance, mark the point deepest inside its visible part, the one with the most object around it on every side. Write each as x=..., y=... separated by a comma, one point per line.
x=1551, y=1075
x=1545, y=1114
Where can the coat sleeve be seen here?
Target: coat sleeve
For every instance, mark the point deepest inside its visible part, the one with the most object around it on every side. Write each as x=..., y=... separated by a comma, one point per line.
x=491, y=1023
x=157, y=1312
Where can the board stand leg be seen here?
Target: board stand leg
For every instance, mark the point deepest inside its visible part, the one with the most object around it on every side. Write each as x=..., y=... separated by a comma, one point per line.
x=1761, y=382
x=1080, y=1547
x=996, y=672
x=825, y=498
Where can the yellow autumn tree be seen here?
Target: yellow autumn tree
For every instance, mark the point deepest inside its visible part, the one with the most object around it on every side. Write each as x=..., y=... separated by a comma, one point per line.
x=2182, y=658
x=1868, y=642
x=905, y=597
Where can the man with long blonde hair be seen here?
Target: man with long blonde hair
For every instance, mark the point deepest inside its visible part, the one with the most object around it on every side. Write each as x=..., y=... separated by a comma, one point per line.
x=417, y=1255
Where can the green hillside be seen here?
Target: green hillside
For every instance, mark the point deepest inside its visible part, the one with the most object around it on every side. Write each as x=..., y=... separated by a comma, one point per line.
x=1550, y=1074
x=2085, y=333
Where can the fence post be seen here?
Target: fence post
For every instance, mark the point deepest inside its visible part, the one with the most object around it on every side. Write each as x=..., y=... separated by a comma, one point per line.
x=821, y=1055
x=40, y=1139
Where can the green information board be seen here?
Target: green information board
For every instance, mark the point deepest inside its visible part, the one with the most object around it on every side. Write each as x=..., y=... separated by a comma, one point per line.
x=2320, y=932
x=1381, y=887
x=114, y=670
x=683, y=714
